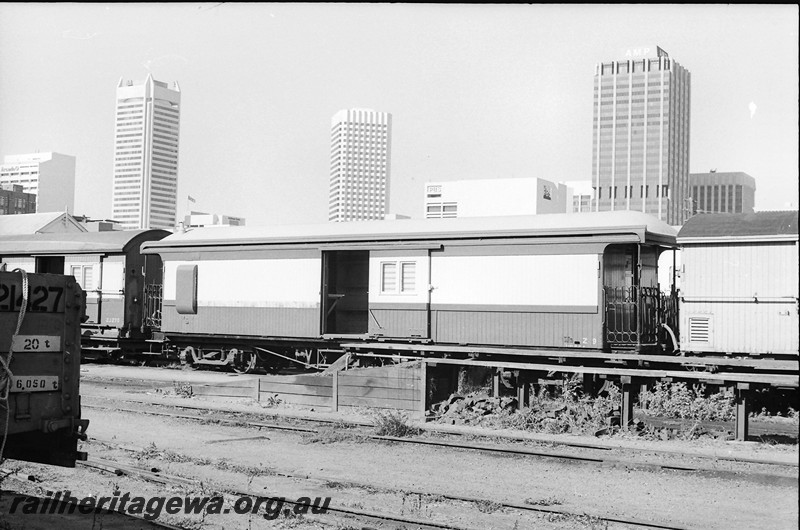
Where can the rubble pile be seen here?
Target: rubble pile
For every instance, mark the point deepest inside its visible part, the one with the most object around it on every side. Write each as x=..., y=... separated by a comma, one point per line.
x=552, y=416
x=469, y=409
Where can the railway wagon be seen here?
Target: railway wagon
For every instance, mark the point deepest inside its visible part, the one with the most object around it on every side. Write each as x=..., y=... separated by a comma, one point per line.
x=232, y=295
x=740, y=284
x=110, y=269
x=40, y=408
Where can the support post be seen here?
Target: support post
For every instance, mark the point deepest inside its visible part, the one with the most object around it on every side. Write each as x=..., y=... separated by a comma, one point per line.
x=742, y=411
x=629, y=391
x=257, y=389
x=423, y=390
x=335, y=392
x=523, y=391
x=496, y=383
x=588, y=384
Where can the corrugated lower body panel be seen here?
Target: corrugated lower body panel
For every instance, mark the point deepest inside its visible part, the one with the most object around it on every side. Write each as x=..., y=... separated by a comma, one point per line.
x=743, y=327
x=518, y=328
x=398, y=323
x=248, y=321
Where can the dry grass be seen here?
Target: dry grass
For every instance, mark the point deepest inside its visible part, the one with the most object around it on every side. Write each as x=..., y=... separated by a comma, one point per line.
x=695, y=402
x=393, y=423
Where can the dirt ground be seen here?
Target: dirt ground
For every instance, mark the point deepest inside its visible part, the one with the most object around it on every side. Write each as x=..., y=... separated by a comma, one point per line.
x=385, y=477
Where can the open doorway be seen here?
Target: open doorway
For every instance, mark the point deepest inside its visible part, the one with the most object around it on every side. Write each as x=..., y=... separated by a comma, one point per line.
x=345, y=284
x=50, y=264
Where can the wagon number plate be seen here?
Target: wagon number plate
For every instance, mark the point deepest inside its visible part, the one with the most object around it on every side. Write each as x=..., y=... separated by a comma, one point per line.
x=36, y=343
x=34, y=383
x=48, y=299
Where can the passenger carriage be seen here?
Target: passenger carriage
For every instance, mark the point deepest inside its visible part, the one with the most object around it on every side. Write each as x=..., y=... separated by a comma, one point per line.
x=585, y=281
x=110, y=269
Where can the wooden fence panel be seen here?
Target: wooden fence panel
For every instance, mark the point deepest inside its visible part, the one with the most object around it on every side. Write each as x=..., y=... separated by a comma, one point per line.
x=289, y=388
x=389, y=387
x=242, y=388
x=299, y=399
x=378, y=392
x=393, y=387
x=399, y=404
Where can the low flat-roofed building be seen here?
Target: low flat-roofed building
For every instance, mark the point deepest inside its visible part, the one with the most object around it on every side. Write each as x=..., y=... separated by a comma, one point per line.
x=728, y=192
x=492, y=197
x=49, y=176
x=580, y=196
x=199, y=219
x=13, y=200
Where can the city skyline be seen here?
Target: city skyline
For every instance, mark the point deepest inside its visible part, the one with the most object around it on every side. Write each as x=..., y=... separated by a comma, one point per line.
x=476, y=92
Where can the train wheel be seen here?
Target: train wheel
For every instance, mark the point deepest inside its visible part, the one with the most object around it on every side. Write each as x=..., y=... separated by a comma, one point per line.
x=244, y=361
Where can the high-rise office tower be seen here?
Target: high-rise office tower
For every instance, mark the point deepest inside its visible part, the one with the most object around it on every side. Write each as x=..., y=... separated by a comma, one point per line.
x=146, y=154
x=49, y=176
x=361, y=142
x=640, y=151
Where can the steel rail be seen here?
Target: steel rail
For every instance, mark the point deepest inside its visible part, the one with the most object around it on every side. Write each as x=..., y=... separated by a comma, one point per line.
x=162, y=478
x=137, y=518
x=475, y=447
x=437, y=429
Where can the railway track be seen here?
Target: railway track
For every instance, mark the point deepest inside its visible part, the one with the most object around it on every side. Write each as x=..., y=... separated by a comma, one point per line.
x=167, y=479
x=603, y=455
x=71, y=517
x=359, y=514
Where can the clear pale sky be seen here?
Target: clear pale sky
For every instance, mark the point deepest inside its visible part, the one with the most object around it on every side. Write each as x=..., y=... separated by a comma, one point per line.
x=476, y=91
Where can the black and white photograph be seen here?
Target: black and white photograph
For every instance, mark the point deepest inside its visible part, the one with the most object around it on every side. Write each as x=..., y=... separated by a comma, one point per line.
x=413, y=266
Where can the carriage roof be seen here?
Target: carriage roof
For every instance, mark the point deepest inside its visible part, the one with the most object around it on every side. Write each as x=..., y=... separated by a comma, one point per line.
x=640, y=227
x=76, y=242
x=759, y=226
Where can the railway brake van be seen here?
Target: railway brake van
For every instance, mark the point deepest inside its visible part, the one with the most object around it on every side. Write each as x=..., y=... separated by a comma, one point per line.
x=240, y=294
x=739, y=293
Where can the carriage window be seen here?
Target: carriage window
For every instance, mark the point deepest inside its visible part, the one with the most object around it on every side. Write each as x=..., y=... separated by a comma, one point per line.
x=388, y=277
x=84, y=276
x=403, y=283
x=408, y=278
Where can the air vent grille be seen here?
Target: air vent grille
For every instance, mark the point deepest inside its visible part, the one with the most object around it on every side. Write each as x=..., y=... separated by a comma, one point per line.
x=700, y=329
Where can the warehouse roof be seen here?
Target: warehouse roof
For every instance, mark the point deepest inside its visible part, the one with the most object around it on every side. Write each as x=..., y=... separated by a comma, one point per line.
x=580, y=224
x=780, y=224
x=33, y=223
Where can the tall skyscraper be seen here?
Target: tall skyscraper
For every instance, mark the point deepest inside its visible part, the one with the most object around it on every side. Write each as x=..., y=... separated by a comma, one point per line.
x=49, y=176
x=146, y=154
x=640, y=152
x=361, y=142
